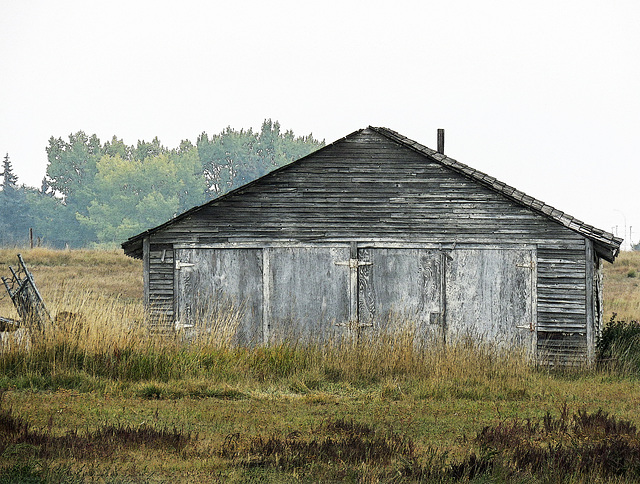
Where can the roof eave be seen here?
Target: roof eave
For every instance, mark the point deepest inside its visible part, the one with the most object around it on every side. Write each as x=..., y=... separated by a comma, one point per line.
x=606, y=252
x=133, y=246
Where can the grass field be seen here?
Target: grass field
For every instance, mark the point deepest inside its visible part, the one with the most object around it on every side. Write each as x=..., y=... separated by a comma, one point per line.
x=99, y=400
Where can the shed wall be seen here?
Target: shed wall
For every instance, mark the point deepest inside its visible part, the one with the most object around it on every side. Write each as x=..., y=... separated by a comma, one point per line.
x=367, y=188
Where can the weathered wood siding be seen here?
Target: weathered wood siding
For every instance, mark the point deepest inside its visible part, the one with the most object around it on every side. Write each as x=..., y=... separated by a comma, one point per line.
x=159, y=287
x=403, y=284
x=367, y=188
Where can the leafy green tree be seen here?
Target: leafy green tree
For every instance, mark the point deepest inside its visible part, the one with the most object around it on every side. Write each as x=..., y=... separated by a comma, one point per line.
x=105, y=193
x=294, y=148
x=70, y=175
x=117, y=147
x=72, y=166
x=233, y=158
x=138, y=194
x=225, y=157
x=191, y=184
x=144, y=149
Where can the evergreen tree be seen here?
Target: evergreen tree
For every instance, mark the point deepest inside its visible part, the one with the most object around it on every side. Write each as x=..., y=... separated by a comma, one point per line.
x=14, y=211
x=9, y=179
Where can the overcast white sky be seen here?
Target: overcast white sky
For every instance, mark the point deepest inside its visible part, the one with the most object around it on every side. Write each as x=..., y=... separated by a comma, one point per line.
x=544, y=95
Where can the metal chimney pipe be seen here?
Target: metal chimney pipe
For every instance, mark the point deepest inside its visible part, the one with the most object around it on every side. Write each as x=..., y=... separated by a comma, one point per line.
x=441, y=141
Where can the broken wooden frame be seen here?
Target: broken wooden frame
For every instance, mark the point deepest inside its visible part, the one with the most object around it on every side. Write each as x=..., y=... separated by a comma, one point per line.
x=26, y=298
x=8, y=324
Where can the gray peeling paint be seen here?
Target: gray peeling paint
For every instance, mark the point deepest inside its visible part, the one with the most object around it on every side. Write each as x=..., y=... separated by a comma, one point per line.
x=321, y=292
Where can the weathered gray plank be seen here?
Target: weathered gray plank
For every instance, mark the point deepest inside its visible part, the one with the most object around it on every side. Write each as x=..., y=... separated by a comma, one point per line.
x=403, y=286
x=489, y=297
x=309, y=292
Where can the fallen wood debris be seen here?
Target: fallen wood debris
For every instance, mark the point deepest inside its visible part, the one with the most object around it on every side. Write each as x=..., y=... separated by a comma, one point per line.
x=27, y=301
x=8, y=324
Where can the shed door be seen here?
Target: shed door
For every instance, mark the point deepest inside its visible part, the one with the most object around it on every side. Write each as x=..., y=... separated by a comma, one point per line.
x=220, y=290
x=402, y=286
x=307, y=292
x=490, y=295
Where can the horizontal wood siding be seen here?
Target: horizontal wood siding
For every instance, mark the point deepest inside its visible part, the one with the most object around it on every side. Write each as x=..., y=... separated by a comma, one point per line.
x=562, y=349
x=562, y=310
x=368, y=187
x=161, y=304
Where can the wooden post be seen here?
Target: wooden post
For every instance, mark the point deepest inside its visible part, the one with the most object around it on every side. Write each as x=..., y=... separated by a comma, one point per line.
x=31, y=237
x=441, y=141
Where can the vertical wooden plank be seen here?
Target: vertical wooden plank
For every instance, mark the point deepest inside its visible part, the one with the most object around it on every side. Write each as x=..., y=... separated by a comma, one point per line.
x=179, y=292
x=266, y=296
x=187, y=289
x=599, y=301
x=366, y=289
x=176, y=286
x=430, y=318
x=353, y=286
x=534, y=305
x=590, y=300
x=445, y=257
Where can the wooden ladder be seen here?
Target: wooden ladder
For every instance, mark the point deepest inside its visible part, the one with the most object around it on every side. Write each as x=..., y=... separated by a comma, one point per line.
x=27, y=299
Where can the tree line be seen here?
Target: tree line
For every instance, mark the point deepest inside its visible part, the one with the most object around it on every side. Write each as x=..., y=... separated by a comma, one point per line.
x=103, y=193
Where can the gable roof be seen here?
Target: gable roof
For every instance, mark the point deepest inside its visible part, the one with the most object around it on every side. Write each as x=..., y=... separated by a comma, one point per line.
x=606, y=244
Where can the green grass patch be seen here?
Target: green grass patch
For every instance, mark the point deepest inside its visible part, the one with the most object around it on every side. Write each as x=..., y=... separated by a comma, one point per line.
x=619, y=346
x=105, y=401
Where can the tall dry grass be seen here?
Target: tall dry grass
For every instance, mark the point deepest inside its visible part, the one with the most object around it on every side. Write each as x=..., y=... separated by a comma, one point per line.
x=622, y=287
x=101, y=344
x=93, y=351
x=75, y=275
x=101, y=332
x=106, y=338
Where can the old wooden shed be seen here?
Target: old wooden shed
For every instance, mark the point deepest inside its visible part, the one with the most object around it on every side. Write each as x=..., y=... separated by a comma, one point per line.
x=373, y=229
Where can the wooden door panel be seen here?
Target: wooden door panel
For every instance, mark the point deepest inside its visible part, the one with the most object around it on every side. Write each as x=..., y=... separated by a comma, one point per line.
x=490, y=296
x=221, y=290
x=309, y=295
x=402, y=287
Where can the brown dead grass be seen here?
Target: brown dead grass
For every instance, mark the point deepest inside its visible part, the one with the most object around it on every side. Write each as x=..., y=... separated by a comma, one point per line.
x=74, y=275
x=435, y=399
x=622, y=287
